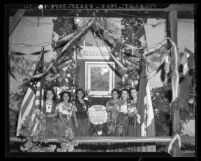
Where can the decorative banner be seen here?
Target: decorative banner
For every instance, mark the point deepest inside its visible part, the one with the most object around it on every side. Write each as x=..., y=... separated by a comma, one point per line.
x=97, y=114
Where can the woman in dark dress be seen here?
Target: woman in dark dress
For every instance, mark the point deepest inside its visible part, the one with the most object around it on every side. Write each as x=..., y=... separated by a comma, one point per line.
x=134, y=120
x=133, y=115
x=81, y=113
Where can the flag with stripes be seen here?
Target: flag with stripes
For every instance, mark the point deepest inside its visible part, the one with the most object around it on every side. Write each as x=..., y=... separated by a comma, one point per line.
x=32, y=102
x=145, y=109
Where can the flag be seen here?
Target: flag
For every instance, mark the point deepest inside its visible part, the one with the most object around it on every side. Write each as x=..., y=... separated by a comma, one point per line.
x=145, y=109
x=33, y=100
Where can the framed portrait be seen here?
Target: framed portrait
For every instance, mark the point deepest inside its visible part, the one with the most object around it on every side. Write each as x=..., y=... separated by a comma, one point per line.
x=99, y=78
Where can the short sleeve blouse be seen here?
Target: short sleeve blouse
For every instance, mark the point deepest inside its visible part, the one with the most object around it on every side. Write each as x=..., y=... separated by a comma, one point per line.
x=66, y=110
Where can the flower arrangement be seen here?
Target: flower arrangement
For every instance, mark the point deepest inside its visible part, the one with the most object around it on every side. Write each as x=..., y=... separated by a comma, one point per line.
x=67, y=143
x=33, y=144
x=38, y=142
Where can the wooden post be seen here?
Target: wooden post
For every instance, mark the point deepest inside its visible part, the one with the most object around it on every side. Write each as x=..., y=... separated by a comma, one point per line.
x=176, y=118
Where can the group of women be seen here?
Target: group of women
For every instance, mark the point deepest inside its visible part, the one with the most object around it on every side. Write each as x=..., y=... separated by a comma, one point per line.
x=121, y=109
x=67, y=113
x=123, y=116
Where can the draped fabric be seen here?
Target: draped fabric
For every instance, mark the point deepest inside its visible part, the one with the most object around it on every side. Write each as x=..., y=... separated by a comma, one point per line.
x=145, y=109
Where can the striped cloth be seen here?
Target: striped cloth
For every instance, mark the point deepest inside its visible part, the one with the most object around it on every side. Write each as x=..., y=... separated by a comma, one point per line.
x=33, y=101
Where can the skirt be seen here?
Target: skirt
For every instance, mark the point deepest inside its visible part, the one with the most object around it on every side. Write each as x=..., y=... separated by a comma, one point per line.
x=63, y=125
x=122, y=124
x=51, y=127
x=83, y=127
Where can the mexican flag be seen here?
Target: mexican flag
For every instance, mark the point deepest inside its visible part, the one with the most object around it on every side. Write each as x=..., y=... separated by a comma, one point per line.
x=145, y=109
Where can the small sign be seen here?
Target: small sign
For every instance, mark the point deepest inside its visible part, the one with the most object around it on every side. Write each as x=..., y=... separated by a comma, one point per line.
x=93, y=52
x=97, y=114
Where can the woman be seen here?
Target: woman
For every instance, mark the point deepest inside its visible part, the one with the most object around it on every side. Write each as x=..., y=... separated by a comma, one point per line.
x=81, y=113
x=134, y=120
x=133, y=115
x=50, y=113
x=112, y=109
x=122, y=121
x=66, y=111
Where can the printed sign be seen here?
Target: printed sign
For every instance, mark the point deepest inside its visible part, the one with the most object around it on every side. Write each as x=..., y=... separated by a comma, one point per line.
x=93, y=53
x=97, y=114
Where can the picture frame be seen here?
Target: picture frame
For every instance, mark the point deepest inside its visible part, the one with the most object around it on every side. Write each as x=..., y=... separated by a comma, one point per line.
x=102, y=72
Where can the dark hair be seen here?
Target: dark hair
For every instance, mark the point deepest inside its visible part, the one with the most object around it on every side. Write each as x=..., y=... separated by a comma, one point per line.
x=62, y=94
x=54, y=94
x=133, y=88
x=124, y=89
x=116, y=91
x=76, y=92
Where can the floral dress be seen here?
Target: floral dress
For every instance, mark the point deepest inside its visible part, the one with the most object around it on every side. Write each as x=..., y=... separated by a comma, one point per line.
x=132, y=119
x=112, y=110
x=66, y=110
x=122, y=120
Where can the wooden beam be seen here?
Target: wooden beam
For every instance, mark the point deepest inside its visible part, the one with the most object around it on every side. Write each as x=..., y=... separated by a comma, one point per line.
x=106, y=139
x=175, y=114
x=15, y=20
x=112, y=12
x=123, y=139
x=173, y=25
x=182, y=7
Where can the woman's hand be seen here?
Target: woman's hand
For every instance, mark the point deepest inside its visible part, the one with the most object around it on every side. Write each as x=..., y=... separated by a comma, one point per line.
x=81, y=101
x=135, y=111
x=138, y=118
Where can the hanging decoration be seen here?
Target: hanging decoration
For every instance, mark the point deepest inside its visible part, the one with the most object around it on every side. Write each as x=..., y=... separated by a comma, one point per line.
x=76, y=37
x=174, y=71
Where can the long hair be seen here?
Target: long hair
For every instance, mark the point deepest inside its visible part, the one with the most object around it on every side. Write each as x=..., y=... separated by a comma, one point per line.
x=76, y=92
x=116, y=90
x=54, y=94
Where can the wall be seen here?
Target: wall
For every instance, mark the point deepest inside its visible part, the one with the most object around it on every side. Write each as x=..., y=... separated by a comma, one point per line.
x=185, y=34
